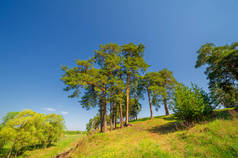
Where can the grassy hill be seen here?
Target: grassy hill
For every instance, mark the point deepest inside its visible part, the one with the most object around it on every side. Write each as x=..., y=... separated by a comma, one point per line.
x=165, y=137
x=65, y=144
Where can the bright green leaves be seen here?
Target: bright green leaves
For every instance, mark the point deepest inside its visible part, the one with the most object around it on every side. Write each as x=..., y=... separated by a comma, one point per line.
x=133, y=60
x=190, y=104
x=31, y=129
x=102, y=77
x=159, y=86
x=222, y=71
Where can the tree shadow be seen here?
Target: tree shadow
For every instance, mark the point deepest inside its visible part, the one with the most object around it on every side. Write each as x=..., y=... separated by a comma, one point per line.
x=222, y=114
x=168, y=128
x=180, y=126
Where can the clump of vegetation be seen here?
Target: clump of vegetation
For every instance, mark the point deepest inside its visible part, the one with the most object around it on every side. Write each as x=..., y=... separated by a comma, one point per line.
x=69, y=132
x=28, y=130
x=221, y=69
x=93, y=124
x=191, y=104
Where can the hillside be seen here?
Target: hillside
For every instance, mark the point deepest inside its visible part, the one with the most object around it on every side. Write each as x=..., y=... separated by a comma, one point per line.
x=165, y=137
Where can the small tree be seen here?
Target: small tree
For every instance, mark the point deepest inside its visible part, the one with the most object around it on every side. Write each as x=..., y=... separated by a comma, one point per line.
x=30, y=129
x=190, y=104
x=149, y=84
x=94, y=123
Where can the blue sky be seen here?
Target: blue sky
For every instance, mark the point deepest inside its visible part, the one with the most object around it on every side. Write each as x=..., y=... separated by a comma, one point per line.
x=37, y=37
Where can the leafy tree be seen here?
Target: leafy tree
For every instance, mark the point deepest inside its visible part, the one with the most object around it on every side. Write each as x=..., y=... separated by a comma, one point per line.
x=54, y=129
x=135, y=108
x=149, y=84
x=102, y=79
x=9, y=116
x=222, y=71
x=133, y=64
x=190, y=104
x=93, y=123
x=30, y=129
x=1, y=126
x=84, y=77
x=167, y=84
x=99, y=81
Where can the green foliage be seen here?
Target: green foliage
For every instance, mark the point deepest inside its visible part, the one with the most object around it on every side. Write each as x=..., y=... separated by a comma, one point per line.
x=93, y=123
x=159, y=86
x=133, y=61
x=167, y=84
x=222, y=71
x=1, y=126
x=102, y=78
x=135, y=108
x=69, y=132
x=190, y=104
x=9, y=116
x=30, y=129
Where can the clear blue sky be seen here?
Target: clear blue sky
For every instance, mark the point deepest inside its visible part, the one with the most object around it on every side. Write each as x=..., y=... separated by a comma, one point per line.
x=36, y=37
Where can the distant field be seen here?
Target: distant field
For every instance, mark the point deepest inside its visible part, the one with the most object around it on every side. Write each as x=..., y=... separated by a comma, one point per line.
x=164, y=137
x=63, y=145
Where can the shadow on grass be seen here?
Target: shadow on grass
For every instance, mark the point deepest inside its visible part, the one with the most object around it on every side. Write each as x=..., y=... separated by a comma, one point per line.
x=169, y=117
x=225, y=114
x=140, y=120
x=168, y=128
x=4, y=152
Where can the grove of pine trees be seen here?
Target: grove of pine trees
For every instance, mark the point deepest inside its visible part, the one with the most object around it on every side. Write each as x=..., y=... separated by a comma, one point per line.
x=115, y=79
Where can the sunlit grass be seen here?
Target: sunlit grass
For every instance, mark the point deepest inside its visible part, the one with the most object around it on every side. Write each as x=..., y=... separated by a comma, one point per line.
x=165, y=137
x=63, y=145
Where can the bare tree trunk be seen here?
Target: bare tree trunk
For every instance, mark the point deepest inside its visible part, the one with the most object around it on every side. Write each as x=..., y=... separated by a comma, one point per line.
x=104, y=129
x=115, y=121
x=165, y=107
x=151, y=110
x=111, y=115
x=127, y=98
x=10, y=152
x=101, y=112
x=121, y=115
x=115, y=114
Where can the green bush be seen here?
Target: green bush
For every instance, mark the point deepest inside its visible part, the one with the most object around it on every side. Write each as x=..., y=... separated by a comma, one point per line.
x=29, y=129
x=191, y=104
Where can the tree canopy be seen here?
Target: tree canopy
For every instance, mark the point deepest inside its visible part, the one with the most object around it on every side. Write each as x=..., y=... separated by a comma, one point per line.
x=221, y=71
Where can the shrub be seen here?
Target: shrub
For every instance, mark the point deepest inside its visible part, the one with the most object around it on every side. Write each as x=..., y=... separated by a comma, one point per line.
x=191, y=104
x=29, y=129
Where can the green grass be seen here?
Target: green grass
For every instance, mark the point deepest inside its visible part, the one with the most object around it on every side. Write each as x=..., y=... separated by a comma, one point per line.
x=165, y=137
x=63, y=145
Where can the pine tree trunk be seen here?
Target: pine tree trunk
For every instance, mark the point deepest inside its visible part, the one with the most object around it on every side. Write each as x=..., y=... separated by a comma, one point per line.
x=166, y=107
x=111, y=116
x=115, y=114
x=127, y=98
x=115, y=121
x=151, y=110
x=104, y=129
x=121, y=115
x=101, y=112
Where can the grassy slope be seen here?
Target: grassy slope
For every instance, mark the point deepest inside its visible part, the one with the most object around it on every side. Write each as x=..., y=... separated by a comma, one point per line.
x=63, y=145
x=164, y=137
